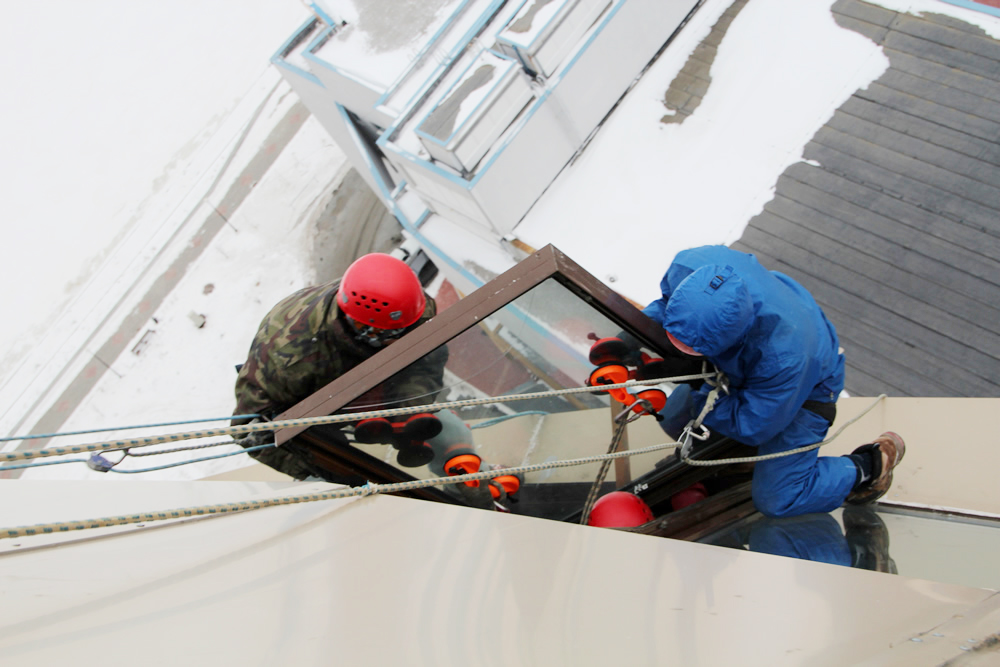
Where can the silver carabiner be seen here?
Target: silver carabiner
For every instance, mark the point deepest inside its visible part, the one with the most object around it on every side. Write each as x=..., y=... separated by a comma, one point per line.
x=688, y=434
x=647, y=408
x=721, y=380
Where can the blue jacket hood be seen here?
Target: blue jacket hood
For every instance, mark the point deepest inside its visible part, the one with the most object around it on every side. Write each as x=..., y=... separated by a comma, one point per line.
x=711, y=310
x=687, y=261
x=759, y=327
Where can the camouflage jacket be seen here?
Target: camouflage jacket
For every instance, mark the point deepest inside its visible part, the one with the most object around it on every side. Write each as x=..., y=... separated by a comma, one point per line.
x=303, y=344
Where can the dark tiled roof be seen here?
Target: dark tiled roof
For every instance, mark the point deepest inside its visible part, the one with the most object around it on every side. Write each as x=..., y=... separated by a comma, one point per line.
x=894, y=223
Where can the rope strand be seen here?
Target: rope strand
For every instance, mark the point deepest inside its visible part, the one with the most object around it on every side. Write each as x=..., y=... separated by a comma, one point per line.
x=790, y=452
x=316, y=421
x=123, y=428
x=370, y=488
x=348, y=492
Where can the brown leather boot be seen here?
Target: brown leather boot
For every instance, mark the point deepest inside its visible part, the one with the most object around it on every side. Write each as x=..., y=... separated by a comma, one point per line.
x=891, y=449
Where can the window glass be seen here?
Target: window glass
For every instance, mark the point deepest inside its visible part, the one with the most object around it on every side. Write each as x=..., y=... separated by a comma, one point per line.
x=537, y=343
x=913, y=543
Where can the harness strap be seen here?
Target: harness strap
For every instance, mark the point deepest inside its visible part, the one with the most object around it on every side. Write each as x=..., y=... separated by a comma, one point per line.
x=827, y=411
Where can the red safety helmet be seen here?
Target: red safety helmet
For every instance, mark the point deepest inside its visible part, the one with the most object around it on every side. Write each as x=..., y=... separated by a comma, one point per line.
x=619, y=509
x=381, y=291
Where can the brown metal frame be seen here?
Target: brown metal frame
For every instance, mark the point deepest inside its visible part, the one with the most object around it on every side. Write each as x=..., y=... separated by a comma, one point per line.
x=549, y=262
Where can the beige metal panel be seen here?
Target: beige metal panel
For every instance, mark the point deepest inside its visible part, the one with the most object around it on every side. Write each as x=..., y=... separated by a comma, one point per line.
x=386, y=580
x=32, y=502
x=965, y=640
x=952, y=448
x=255, y=472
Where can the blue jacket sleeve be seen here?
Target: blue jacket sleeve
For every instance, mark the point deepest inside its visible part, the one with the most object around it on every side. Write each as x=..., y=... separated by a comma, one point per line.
x=762, y=408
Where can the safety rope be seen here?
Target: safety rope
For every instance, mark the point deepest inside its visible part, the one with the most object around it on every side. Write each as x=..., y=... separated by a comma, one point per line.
x=187, y=448
x=111, y=467
x=165, y=466
x=125, y=428
x=778, y=455
x=370, y=488
x=114, y=445
x=595, y=488
x=719, y=385
x=347, y=492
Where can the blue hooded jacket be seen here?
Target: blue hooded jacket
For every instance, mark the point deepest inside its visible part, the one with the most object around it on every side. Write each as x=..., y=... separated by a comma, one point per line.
x=759, y=327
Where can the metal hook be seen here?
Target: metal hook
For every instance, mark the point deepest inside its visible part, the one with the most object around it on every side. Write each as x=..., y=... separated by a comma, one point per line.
x=647, y=408
x=101, y=464
x=688, y=434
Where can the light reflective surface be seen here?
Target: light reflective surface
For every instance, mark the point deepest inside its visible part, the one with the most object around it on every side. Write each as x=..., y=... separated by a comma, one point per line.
x=538, y=342
x=396, y=581
x=925, y=546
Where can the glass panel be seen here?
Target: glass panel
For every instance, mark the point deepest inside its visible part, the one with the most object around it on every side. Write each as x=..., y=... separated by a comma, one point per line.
x=924, y=546
x=538, y=342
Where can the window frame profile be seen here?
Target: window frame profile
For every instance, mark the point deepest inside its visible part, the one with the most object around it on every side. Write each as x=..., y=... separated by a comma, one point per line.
x=546, y=263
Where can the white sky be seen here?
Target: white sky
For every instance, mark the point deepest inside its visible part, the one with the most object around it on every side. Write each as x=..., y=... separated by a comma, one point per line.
x=104, y=109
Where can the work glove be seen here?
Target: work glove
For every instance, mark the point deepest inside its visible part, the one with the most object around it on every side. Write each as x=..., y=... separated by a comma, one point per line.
x=256, y=438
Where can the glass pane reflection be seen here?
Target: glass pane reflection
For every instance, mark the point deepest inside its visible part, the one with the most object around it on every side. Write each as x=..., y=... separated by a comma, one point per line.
x=538, y=342
x=912, y=544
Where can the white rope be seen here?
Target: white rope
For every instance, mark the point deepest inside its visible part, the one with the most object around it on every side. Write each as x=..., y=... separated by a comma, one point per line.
x=371, y=488
x=328, y=419
x=721, y=383
x=778, y=455
x=366, y=490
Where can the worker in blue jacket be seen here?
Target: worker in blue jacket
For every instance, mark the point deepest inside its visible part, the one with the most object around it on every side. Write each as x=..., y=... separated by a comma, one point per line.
x=785, y=370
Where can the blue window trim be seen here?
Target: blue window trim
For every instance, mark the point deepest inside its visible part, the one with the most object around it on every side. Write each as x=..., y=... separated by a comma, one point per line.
x=482, y=102
x=410, y=226
x=278, y=59
x=384, y=143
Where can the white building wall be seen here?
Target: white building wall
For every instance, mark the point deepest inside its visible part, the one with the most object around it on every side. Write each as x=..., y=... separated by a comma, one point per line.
x=517, y=177
x=350, y=93
x=530, y=154
x=579, y=98
x=446, y=196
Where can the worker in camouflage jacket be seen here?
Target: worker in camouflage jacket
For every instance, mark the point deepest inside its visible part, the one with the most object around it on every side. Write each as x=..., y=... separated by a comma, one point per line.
x=317, y=334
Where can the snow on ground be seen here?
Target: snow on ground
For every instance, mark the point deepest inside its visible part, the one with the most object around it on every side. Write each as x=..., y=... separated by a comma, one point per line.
x=185, y=372
x=644, y=190
x=648, y=190
x=118, y=117
x=641, y=191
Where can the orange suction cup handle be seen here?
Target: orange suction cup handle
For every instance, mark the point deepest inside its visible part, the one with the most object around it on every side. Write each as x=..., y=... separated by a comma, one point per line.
x=464, y=464
x=656, y=397
x=607, y=374
x=510, y=484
